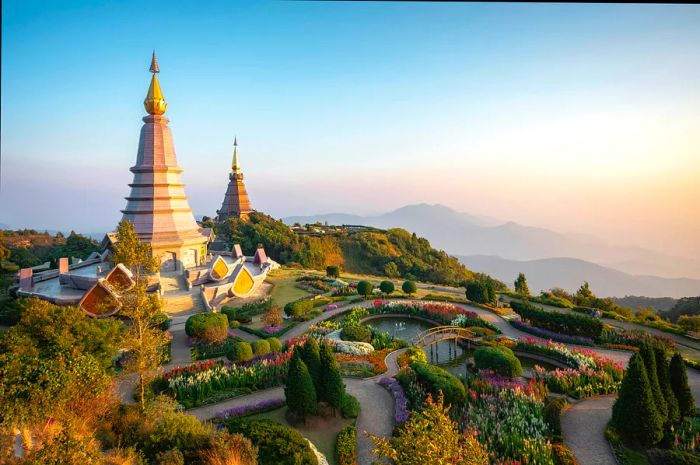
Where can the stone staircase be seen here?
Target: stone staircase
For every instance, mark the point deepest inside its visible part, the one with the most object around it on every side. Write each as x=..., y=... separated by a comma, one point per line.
x=183, y=303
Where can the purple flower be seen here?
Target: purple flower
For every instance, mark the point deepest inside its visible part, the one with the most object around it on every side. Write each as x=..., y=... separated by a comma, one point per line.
x=401, y=412
x=271, y=329
x=545, y=333
x=249, y=409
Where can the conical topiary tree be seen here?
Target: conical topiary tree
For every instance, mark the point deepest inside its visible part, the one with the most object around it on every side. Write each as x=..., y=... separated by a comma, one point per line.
x=662, y=373
x=647, y=353
x=299, y=390
x=310, y=353
x=634, y=415
x=680, y=387
x=332, y=388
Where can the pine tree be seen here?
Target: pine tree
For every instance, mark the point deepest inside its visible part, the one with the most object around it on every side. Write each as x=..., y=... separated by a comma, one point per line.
x=332, y=388
x=299, y=390
x=662, y=372
x=634, y=415
x=311, y=355
x=647, y=353
x=521, y=285
x=680, y=387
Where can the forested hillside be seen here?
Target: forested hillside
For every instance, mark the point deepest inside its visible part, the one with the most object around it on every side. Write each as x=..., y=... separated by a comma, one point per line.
x=394, y=253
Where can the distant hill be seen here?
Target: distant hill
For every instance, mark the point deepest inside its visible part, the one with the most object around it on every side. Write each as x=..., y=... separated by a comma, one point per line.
x=570, y=273
x=660, y=304
x=464, y=234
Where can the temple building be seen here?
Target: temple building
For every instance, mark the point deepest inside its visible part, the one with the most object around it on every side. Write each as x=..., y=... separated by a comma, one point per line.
x=236, y=203
x=157, y=204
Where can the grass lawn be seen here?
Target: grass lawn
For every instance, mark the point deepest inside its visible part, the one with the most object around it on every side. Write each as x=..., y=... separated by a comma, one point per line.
x=322, y=432
x=284, y=288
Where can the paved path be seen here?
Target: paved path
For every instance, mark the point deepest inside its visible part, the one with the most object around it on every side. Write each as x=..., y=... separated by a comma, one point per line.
x=376, y=415
x=583, y=427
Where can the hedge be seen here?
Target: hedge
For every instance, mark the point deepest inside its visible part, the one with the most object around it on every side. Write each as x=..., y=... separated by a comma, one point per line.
x=204, y=350
x=356, y=333
x=345, y=446
x=277, y=444
x=240, y=352
x=436, y=380
x=552, y=415
x=211, y=327
x=349, y=406
x=260, y=347
x=298, y=307
x=565, y=323
x=500, y=359
x=275, y=344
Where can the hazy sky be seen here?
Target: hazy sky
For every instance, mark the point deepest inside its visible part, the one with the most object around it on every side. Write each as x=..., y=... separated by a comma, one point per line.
x=580, y=118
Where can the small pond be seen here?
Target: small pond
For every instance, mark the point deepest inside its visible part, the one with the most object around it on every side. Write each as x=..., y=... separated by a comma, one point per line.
x=448, y=355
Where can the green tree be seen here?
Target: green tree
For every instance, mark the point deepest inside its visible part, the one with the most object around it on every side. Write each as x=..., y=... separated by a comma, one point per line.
x=144, y=340
x=680, y=387
x=521, y=285
x=364, y=288
x=430, y=436
x=387, y=287
x=634, y=415
x=662, y=373
x=480, y=292
x=132, y=253
x=333, y=271
x=311, y=355
x=391, y=270
x=649, y=357
x=332, y=388
x=584, y=295
x=409, y=287
x=299, y=390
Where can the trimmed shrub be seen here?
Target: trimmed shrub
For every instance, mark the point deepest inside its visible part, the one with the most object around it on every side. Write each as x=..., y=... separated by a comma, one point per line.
x=634, y=415
x=409, y=287
x=333, y=271
x=161, y=320
x=275, y=344
x=649, y=357
x=387, y=287
x=356, y=333
x=662, y=373
x=212, y=327
x=552, y=415
x=349, y=406
x=299, y=392
x=562, y=455
x=240, y=352
x=436, y=380
x=277, y=444
x=500, y=359
x=331, y=388
x=311, y=354
x=260, y=347
x=364, y=288
x=480, y=292
x=298, y=307
x=679, y=384
x=566, y=323
x=345, y=446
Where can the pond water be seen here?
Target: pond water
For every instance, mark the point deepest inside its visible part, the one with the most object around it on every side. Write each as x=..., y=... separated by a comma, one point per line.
x=448, y=355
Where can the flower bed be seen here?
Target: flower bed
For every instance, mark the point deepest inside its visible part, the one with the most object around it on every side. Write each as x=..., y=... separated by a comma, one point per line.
x=401, y=412
x=508, y=419
x=563, y=323
x=202, y=350
x=578, y=382
x=636, y=338
x=204, y=382
x=374, y=359
x=442, y=312
x=547, y=334
x=345, y=446
x=251, y=409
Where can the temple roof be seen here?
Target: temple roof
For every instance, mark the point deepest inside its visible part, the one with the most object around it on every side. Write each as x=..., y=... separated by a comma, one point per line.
x=155, y=102
x=236, y=203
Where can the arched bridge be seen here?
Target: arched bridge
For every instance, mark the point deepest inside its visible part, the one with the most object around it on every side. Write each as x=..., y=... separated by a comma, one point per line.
x=443, y=333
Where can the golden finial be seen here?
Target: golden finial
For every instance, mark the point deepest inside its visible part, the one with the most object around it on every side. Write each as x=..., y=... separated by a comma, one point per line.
x=154, y=103
x=235, y=167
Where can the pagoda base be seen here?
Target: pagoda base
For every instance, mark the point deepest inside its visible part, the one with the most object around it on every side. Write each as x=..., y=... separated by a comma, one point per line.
x=177, y=257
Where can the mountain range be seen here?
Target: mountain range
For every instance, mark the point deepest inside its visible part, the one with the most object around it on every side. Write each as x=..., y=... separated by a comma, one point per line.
x=502, y=249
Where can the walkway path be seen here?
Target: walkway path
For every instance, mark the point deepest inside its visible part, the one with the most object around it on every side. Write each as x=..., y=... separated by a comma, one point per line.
x=376, y=415
x=583, y=427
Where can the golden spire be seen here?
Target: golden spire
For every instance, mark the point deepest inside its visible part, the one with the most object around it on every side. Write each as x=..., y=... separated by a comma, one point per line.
x=154, y=102
x=235, y=167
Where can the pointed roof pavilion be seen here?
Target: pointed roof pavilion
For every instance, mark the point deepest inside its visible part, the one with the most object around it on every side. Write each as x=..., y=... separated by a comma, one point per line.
x=236, y=203
x=157, y=204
